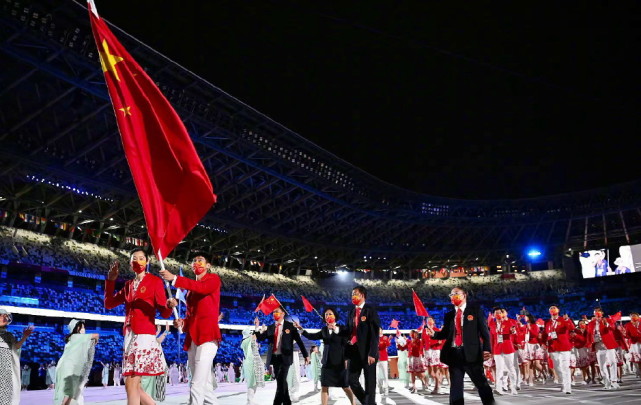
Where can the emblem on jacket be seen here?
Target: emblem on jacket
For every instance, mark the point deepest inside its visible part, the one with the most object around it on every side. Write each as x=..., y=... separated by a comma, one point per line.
x=286, y=330
x=470, y=317
x=143, y=289
x=363, y=318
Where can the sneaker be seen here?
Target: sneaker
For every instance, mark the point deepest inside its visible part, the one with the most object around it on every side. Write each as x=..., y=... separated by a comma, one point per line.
x=615, y=386
x=514, y=392
x=556, y=381
x=568, y=392
x=498, y=392
x=584, y=383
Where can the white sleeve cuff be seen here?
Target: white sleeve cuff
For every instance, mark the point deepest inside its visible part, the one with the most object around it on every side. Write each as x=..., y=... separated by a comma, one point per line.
x=173, y=282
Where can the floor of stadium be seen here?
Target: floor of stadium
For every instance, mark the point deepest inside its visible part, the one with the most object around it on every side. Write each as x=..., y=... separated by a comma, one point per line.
x=234, y=394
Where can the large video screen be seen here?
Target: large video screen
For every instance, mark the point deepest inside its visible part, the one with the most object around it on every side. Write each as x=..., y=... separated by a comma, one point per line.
x=606, y=262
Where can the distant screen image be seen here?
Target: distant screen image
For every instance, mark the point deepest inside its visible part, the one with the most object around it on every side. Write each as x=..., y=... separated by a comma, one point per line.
x=594, y=263
x=600, y=263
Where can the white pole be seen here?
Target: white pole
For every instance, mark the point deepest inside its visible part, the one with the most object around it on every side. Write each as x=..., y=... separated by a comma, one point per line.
x=162, y=266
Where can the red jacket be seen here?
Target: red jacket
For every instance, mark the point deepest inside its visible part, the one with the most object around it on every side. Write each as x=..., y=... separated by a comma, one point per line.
x=534, y=333
x=140, y=305
x=578, y=340
x=415, y=348
x=203, y=306
x=519, y=337
x=502, y=330
x=606, y=329
x=383, y=344
x=633, y=332
x=562, y=329
x=436, y=344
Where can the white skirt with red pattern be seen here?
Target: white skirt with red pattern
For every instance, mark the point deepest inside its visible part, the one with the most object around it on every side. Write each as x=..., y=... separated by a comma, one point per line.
x=534, y=351
x=143, y=356
x=635, y=352
x=619, y=353
x=416, y=364
x=582, y=357
x=573, y=358
x=521, y=356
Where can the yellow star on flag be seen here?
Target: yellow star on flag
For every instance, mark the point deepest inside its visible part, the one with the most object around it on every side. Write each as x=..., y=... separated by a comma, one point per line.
x=125, y=110
x=108, y=61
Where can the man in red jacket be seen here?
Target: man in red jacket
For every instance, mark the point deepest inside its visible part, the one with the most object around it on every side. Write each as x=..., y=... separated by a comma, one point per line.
x=201, y=326
x=501, y=330
x=633, y=333
x=557, y=335
x=382, y=367
x=601, y=338
x=142, y=296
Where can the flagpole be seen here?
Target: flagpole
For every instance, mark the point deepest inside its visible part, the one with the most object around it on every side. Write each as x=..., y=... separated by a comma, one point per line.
x=281, y=305
x=162, y=267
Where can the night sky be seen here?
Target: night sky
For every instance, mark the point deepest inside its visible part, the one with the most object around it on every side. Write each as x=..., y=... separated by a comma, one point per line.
x=478, y=101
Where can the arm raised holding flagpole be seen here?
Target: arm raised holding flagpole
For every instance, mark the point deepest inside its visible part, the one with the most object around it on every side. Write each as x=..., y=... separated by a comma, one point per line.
x=171, y=297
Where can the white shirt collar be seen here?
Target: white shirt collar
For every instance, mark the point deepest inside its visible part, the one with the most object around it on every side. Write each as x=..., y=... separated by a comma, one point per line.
x=462, y=306
x=361, y=305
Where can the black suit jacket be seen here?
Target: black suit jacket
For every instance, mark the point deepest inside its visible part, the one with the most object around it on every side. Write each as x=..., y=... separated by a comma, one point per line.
x=334, y=350
x=366, y=332
x=476, y=335
x=289, y=335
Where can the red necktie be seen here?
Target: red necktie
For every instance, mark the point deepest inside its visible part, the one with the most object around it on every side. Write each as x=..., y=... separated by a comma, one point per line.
x=356, y=319
x=276, y=330
x=458, y=339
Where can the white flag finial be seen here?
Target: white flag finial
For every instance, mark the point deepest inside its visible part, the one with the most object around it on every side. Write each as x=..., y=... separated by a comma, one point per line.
x=92, y=7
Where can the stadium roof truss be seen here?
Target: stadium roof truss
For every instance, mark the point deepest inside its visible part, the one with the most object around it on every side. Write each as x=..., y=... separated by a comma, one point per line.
x=282, y=199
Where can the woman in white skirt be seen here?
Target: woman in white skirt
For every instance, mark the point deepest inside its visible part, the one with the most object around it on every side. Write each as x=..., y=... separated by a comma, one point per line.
x=143, y=297
x=416, y=361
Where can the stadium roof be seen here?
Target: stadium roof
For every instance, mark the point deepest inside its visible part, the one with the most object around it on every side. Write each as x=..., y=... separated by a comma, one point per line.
x=282, y=198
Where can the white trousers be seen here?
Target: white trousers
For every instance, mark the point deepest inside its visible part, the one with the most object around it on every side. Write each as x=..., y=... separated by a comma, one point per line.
x=607, y=360
x=382, y=376
x=505, y=364
x=201, y=389
x=561, y=361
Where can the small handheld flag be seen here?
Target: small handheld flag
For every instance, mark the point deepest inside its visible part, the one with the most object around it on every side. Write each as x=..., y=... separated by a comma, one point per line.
x=418, y=305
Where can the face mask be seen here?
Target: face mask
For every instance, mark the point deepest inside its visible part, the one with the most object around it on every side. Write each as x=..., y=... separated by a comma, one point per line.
x=330, y=319
x=198, y=269
x=356, y=300
x=598, y=315
x=456, y=300
x=581, y=326
x=277, y=316
x=139, y=266
x=554, y=311
x=498, y=316
x=430, y=323
x=635, y=318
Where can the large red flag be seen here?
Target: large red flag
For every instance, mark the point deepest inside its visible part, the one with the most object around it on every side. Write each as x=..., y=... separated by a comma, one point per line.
x=173, y=187
x=308, y=305
x=418, y=305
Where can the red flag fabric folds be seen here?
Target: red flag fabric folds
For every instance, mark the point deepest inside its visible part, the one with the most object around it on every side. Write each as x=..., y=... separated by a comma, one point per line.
x=616, y=317
x=393, y=324
x=418, y=305
x=308, y=305
x=268, y=305
x=174, y=189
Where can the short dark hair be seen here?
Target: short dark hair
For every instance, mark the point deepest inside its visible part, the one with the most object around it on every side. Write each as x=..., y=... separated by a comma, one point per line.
x=362, y=290
x=634, y=313
x=201, y=254
x=598, y=309
x=139, y=249
x=498, y=308
x=460, y=288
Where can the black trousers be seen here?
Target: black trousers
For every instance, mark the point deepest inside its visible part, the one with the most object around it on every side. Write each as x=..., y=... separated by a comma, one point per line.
x=458, y=367
x=280, y=370
x=366, y=396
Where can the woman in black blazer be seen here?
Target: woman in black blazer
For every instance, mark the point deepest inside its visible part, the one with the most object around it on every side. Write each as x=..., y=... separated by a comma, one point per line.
x=333, y=362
